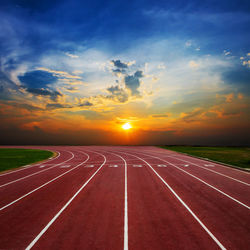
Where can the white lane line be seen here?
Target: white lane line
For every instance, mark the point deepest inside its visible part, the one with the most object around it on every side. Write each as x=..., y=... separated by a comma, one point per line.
x=113, y=166
x=211, y=170
x=89, y=166
x=63, y=208
x=209, y=185
x=137, y=166
x=65, y=166
x=125, y=244
x=28, y=166
x=218, y=164
x=27, y=176
x=45, y=184
x=185, y=205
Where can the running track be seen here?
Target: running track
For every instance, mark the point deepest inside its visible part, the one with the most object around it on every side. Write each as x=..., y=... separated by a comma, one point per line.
x=103, y=197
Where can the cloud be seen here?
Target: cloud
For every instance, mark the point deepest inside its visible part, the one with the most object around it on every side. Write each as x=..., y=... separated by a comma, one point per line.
x=57, y=106
x=117, y=94
x=192, y=116
x=86, y=104
x=160, y=115
x=238, y=76
x=37, y=79
x=44, y=92
x=193, y=65
x=246, y=63
x=71, y=55
x=119, y=64
x=132, y=82
x=72, y=89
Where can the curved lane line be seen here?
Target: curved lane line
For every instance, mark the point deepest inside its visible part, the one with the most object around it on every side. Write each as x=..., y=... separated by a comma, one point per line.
x=22, y=178
x=45, y=184
x=33, y=165
x=211, y=170
x=184, y=204
x=63, y=208
x=197, y=178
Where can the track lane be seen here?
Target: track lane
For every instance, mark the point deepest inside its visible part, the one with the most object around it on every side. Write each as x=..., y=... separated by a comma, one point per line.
x=95, y=217
x=229, y=221
x=99, y=223
x=34, y=169
x=21, y=222
x=11, y=195
x=231, y=189
x=156, y=219
x=220, y=168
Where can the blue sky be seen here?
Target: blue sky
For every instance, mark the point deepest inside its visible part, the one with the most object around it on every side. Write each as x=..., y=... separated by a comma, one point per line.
x=159, y=63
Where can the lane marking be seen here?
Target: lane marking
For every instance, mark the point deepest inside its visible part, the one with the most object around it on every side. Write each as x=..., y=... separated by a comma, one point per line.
x=42, y=166
x=211, y=170
x=28, y=166
x=188, y=156
x=45, y=184
x=27, y=176
x=137, y=166
x=161, y=166
x=125, y=236
x=63, y=208
x=197, y=178
x=113, y=166
x=185, y=205
x=89, y=166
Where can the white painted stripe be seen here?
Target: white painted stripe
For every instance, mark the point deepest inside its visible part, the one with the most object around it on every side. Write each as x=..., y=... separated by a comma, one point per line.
x=137, y=166
x=219, y=164
x=63, y=208
x=125, y=236
x=42, y=166
x=113, y=166
x=28, y=166
x=197, y=178
x=89, y=166
x=185, y=205
x=27, y=176
x=45, y=184
x=211, y=170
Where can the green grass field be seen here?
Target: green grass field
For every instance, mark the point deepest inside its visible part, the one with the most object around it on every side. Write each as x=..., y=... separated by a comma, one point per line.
x=237, y=156
x=12, y=158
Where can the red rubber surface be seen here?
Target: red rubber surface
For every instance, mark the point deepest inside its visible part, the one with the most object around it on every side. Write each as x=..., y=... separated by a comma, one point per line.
x=77, y=201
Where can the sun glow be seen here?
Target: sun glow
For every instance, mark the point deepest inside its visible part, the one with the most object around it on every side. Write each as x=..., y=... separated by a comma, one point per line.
x=126, y=126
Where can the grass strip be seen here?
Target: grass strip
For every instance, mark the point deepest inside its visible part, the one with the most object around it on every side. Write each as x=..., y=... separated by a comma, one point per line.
x=15, y=157
x=236, y=156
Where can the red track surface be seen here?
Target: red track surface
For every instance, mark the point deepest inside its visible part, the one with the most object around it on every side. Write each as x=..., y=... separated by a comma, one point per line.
x=100, y=197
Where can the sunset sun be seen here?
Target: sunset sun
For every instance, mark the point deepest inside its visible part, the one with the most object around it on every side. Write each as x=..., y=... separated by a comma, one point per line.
x=126, y=126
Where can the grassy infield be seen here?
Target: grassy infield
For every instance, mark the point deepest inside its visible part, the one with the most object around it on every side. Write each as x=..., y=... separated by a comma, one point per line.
x=13, y=158
x=237, y=156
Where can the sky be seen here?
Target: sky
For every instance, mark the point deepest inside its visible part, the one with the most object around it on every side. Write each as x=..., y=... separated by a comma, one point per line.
x=73, y=72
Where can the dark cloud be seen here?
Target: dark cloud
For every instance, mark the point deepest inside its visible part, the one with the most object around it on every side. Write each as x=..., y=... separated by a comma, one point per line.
x=5, y=85
x=117, y=71
x=86, y=104
x=239, y=77
x=57, y=106
x=160, y=116
x=132, y=82
x=37, y=79
x=117, y=94
x=119, y=64
x=44, y=92
x=193, y=115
